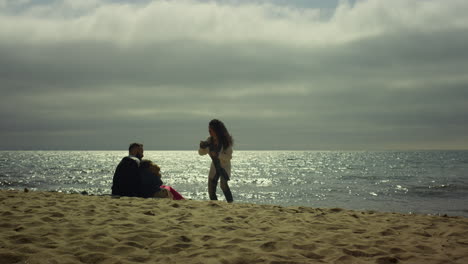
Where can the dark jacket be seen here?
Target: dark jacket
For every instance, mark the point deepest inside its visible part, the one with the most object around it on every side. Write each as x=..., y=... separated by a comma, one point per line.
x=150, y=183
x=126, y=181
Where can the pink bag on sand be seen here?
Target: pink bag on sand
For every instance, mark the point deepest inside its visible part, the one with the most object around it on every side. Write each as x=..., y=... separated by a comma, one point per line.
x=175, y=194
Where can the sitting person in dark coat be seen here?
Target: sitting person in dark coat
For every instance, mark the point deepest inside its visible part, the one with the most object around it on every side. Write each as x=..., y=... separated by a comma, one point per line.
x=152, y=185
x=126, y=181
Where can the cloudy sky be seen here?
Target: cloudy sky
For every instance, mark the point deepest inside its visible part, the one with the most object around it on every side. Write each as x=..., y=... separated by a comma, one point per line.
x=281, y=74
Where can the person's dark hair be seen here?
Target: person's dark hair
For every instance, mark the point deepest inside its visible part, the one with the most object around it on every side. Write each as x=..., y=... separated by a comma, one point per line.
x=145, y=164
x=223, y=135
x=134, y=146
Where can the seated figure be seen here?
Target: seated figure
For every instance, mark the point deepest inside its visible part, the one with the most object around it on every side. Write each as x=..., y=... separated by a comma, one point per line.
x=152, y=185
x=126, y=180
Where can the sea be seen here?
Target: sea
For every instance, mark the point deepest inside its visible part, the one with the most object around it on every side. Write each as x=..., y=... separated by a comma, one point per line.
x=411, y=182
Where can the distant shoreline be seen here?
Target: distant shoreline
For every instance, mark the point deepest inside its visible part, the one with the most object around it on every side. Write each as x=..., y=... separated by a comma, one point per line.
x=260, y=150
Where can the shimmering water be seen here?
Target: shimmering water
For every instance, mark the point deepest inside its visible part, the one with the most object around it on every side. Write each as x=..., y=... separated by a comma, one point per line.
x=432, y=182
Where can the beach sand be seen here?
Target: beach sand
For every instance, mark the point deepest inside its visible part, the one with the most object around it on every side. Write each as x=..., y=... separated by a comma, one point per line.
x=47, y=227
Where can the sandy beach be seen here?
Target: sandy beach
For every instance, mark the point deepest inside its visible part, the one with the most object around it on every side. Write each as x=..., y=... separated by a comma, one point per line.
x=47, y=227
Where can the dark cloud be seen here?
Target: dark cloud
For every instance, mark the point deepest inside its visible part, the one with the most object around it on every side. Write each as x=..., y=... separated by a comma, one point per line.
x=280, y=87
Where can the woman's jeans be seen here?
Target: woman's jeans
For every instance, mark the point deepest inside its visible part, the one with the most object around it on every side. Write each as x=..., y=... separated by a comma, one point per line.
x=213, y=183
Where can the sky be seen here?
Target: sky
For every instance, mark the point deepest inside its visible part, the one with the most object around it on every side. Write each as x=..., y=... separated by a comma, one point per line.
x=281, y=75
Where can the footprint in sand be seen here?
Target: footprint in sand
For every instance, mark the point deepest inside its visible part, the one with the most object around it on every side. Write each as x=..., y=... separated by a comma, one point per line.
x=6, y=225
x=308, y=247
x=26, y=250
x=396, y=250
x=20, y=239
x=134, y=244
x=358, y=253
x=10, y=258
x=185, y=239
x=121, y=250
x=206, y=238
x=388, y=232
x=268, y=246
x=387, y=260
x=47, y=219
x=312, y=255
x=98, y=236
x=228, y=220
x=93, y=258
x=56, y=214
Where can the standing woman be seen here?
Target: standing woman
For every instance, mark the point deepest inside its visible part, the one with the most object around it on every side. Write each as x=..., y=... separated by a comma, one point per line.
x=219, y=147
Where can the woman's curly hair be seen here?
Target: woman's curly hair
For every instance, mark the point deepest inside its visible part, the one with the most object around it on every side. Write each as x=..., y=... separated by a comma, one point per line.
x=223, y=135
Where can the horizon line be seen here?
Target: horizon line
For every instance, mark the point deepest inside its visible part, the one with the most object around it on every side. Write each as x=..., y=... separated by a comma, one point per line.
x=312, y=150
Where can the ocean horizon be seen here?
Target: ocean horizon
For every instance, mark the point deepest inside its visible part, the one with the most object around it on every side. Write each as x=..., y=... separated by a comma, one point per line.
x=406, y=181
